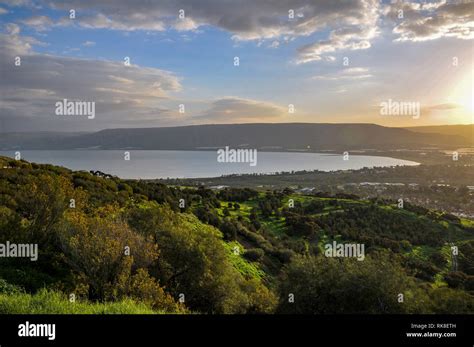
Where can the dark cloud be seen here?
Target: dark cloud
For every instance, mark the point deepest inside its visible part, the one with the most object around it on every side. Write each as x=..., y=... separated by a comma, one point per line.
x=121, y=93
x=352, y=23
x=432, y=20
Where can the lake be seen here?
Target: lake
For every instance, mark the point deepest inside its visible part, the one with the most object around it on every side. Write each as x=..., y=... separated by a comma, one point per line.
x=149, y=164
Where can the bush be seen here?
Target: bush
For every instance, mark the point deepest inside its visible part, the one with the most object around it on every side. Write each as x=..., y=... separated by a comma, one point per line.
x=323, y=285
x=260, y=298
x=455, y=279
x=194, y=262
x=7, y=288
x=229, y=229
x=254, y=254
x=147, y=290
x=96, y=249
x=449, y=301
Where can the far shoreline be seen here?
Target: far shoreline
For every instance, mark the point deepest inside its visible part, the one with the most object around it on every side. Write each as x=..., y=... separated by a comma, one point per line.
x=75, y=164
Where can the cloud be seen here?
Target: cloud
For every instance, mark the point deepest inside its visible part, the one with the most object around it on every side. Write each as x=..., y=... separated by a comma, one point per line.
x=44, y=23
x=132, y=22
x=422, y=22
x=123, y=94
x=352, y=33
x=347, y=25
x=88, y=43
x=185, y=24
x=40, y=23
x=234, y=110
x=355, y=73
x=3, y=11
x=18, y=2
x=247, y=20
x=13, y=45
x=444, y=109
x=352, y=24
x=274, y=44
x=446, y=106
x=12, y=28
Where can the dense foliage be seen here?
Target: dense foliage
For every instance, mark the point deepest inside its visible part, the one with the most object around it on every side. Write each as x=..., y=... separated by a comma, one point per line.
x=122, y=246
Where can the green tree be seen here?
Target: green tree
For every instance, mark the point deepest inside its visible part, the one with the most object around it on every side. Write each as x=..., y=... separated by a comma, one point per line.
x=104, y=252
x=323, y=285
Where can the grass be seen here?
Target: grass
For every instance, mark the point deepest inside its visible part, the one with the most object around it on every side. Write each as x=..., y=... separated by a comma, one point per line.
x=247, y=269
x=422, y=252
x=276, y=225
x=244, y=210
x=52, y=302
x=468, y=223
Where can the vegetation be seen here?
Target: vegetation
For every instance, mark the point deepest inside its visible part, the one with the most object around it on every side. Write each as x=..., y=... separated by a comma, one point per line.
x=442, y=185
x=50, y=302
x=124, y=246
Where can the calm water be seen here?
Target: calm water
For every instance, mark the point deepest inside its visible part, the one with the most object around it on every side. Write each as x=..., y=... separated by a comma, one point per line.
x=191, y=164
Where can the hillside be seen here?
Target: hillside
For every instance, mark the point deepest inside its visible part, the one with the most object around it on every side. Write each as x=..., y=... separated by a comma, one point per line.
x=464, y=130
x=180, y=249
x=281, y=136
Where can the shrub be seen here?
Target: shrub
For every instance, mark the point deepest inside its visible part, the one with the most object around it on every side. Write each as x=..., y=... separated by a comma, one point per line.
x=254, y=254
x=146, y=289
x=323, y=285
x=95, y=248
x=7, y=288
x=455, y=279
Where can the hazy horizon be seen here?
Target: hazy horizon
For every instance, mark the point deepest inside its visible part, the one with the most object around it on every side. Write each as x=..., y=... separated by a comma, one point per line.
x=217, y=124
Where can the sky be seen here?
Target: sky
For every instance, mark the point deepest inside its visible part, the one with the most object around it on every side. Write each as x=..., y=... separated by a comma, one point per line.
x=319, y=61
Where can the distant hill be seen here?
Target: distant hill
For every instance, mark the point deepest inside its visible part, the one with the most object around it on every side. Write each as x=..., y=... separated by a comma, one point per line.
x=36, y=140
x=280, y=136
x=464, y=130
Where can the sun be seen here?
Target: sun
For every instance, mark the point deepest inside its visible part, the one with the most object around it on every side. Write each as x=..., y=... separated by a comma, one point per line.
x=463, y=94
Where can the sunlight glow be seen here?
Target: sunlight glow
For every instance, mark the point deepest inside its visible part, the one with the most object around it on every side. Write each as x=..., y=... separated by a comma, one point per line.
x=463, y=95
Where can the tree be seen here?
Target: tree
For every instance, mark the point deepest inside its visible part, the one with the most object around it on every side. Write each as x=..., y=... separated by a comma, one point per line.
x=228, y=229
x=449, y=301
x=455, y=279
x=146, y=289
x=254, y=254
x=43, y=201
x=193, y=262
x=466, y=257
x=104, y=252
x=260, y=298
x=323, y=285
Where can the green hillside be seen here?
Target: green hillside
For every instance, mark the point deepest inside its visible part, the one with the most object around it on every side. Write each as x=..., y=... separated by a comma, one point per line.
x=144, y=247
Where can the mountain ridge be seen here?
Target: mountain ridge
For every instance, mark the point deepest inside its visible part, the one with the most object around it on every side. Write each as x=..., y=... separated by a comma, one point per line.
x=276, y=136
